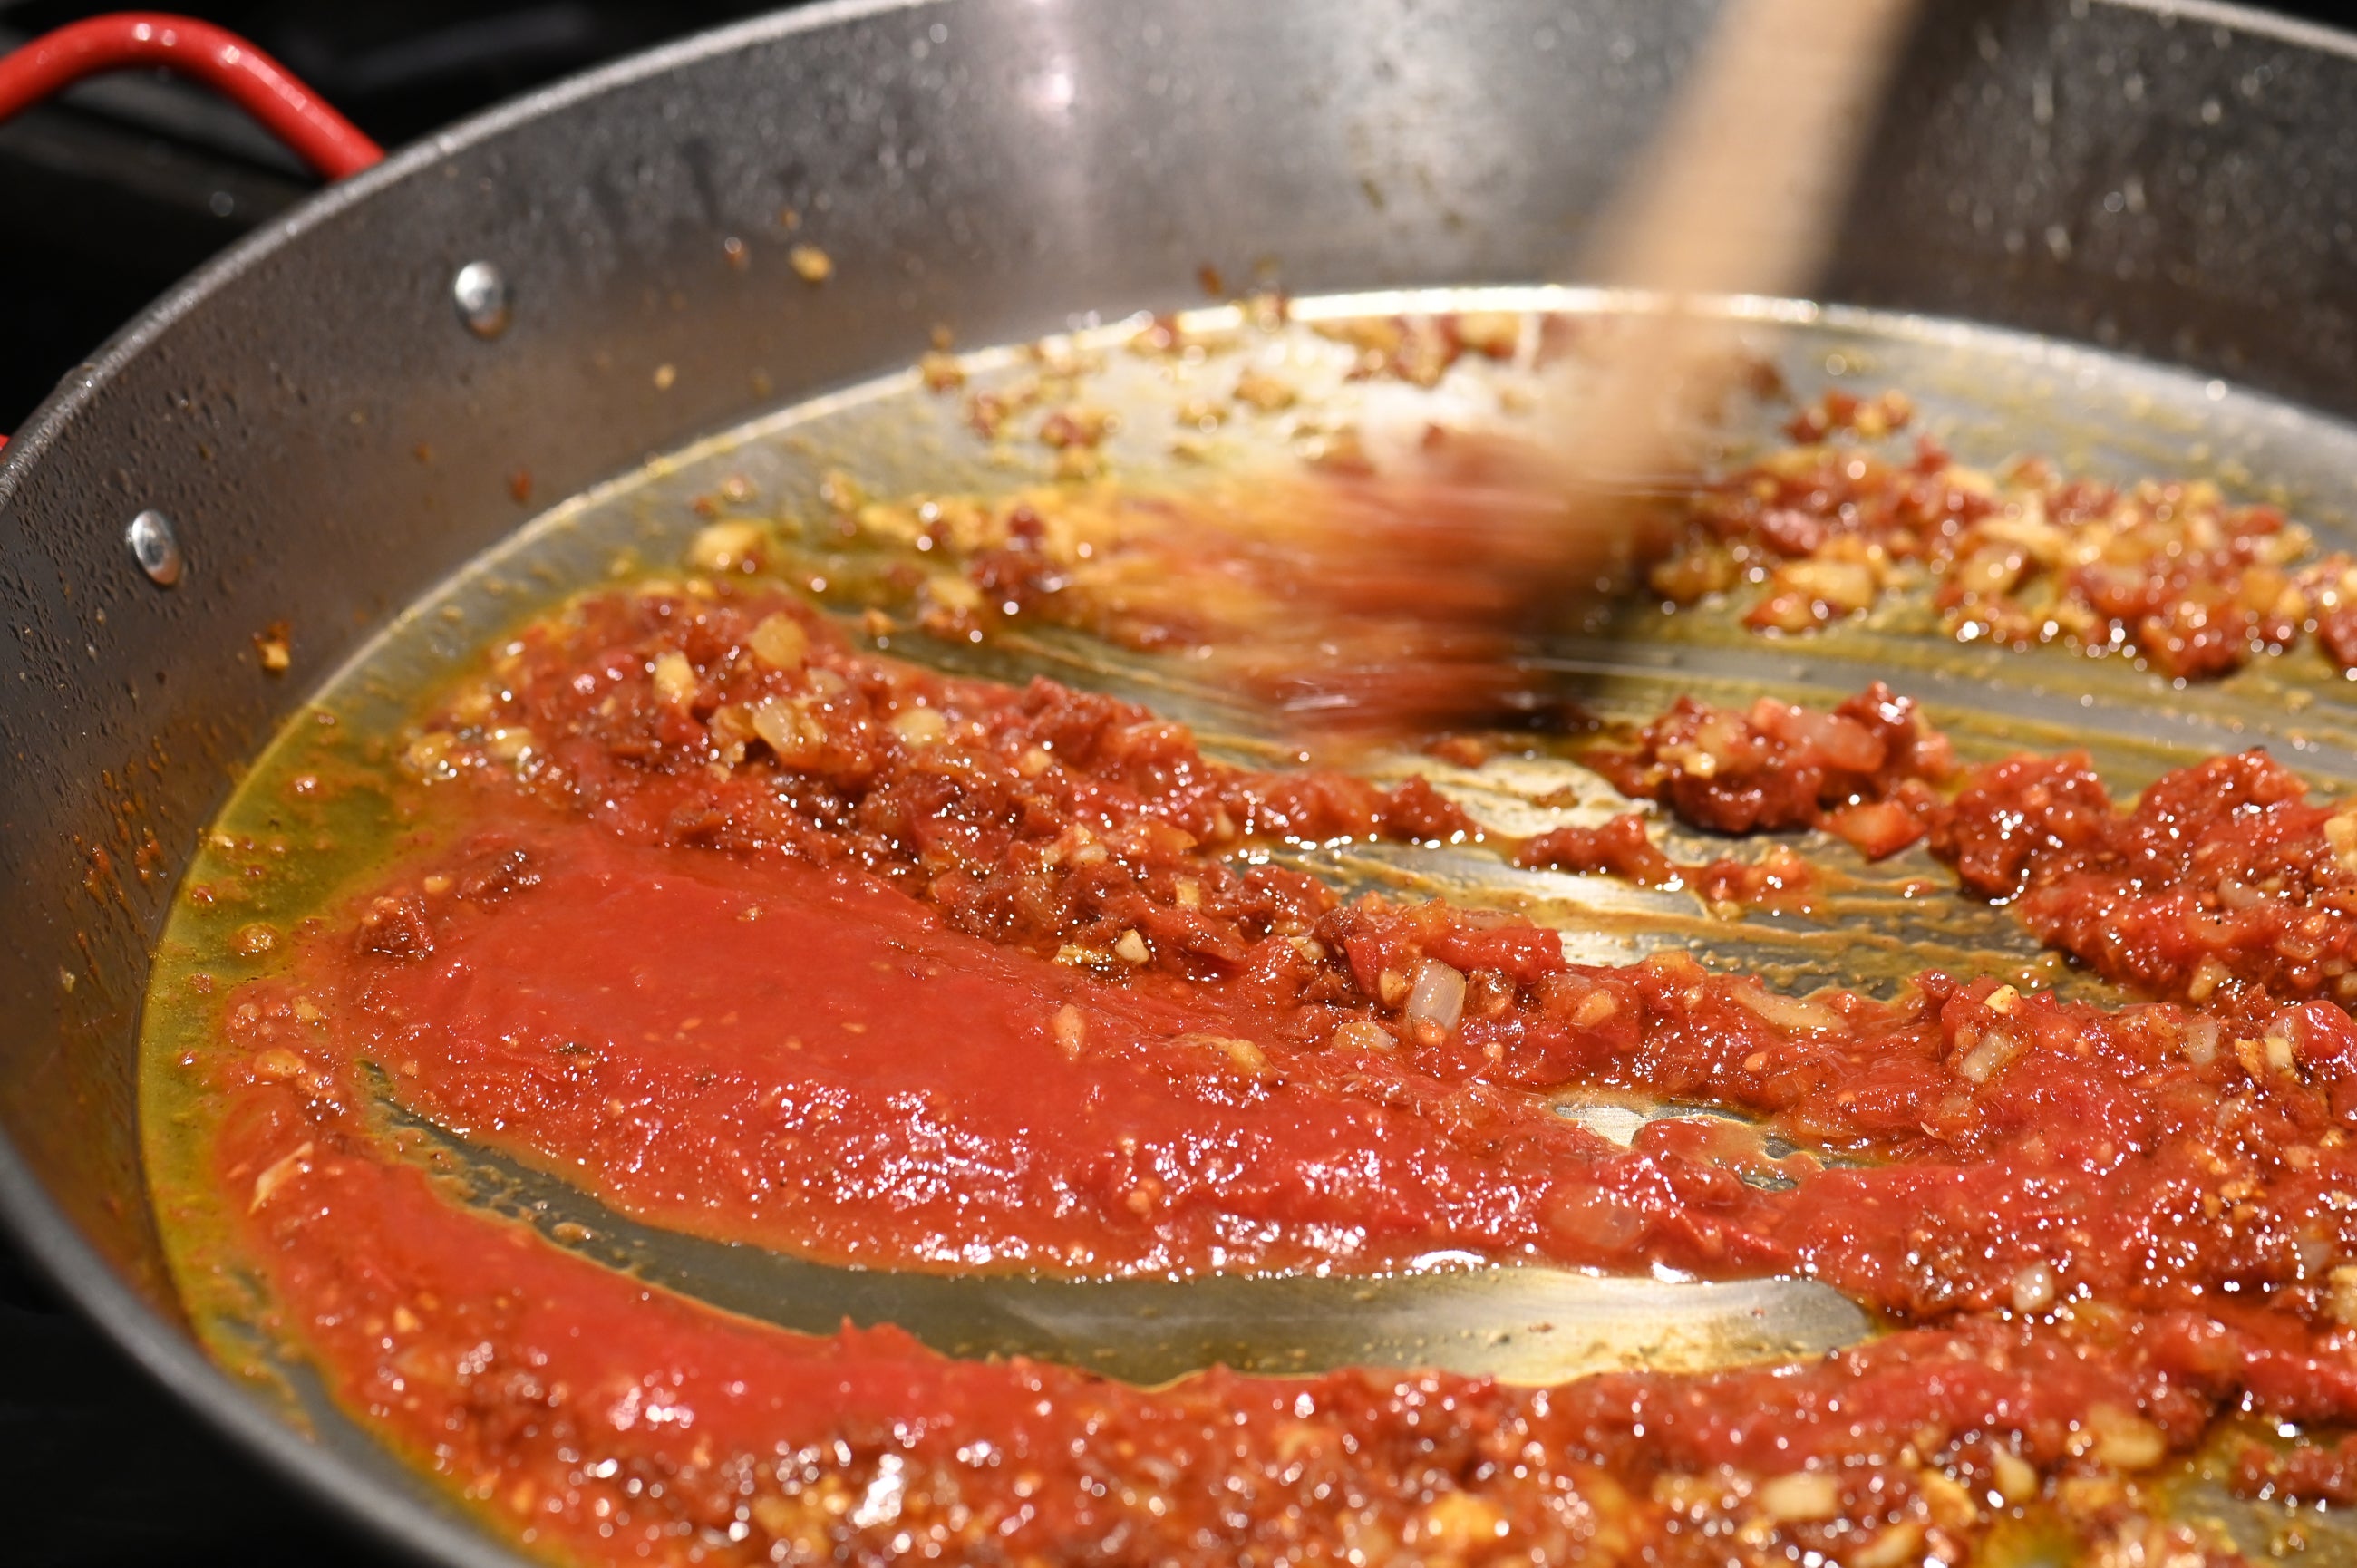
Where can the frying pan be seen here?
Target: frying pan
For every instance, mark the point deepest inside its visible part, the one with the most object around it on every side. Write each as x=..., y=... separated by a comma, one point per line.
x=328, y=433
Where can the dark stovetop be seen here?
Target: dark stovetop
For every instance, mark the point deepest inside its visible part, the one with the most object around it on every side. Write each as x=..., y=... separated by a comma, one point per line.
x=104, y=202
x=107, y=199
x=109, y=1474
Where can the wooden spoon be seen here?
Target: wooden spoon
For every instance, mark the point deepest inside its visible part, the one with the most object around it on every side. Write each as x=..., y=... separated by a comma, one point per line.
x=1396, y=601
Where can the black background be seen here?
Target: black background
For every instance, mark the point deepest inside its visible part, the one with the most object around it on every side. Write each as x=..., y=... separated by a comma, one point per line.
x=104, y=202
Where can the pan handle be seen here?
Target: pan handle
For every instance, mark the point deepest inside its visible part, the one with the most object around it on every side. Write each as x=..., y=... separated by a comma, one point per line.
x=290, y=111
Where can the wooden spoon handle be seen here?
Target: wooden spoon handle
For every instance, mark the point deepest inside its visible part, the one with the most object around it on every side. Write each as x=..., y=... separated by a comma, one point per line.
x=1740, y=189
x=1737, y=195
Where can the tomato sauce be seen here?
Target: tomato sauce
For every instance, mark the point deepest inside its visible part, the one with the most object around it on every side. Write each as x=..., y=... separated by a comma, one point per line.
x=616, y=1423
x=841, y=1075
x=1623, y=847
x=761, y=938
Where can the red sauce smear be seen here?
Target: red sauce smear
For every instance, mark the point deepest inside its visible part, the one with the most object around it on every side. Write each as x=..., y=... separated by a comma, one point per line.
x=616, y=1423
x=761, y=938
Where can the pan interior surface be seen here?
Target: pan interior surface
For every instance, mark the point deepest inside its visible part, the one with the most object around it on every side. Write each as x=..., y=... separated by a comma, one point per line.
x=1986, y=395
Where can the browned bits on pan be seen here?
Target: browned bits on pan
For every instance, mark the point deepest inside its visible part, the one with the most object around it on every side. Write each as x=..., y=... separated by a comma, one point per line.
x=988, y=411
x=1268, y=311
x=734, y=546
x=1062, y=359
x=1201, y=414
x=842, y=492
x=396, y=925
x=519, y=486
x=1492, y=334
x=1269, y=393
x=941, y=371
x=1076, y=424
x=1417, y=350
x=273, y=646
x=1870, y=417
x=1161, y=335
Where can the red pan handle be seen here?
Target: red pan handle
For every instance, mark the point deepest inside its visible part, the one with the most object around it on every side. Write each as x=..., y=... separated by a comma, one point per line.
x=55, y=61
x=264, y=89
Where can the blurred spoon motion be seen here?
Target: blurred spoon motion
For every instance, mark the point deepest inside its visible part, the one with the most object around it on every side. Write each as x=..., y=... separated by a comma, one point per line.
x=1394, y=597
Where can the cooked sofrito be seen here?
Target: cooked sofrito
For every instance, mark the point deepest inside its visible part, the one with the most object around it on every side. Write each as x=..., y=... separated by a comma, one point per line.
x=2226, y=882
x=756, y=934
x=1843, y=522
x=746, y=909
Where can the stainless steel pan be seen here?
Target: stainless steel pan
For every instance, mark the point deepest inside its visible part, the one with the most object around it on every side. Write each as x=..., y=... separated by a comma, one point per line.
x=326, y=432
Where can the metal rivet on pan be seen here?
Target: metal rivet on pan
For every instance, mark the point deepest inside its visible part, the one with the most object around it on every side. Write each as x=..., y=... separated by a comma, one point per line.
x=480, y=292
x=156, y=547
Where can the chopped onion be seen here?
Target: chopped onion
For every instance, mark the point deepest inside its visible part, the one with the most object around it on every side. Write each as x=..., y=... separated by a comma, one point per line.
x=2033, y=1288
x=1438, y=996
x=2199, y=1040
x=674, y=678
x=789, y=729
x=779, y=641
x=1790, y=1013
x=1799, y=1497
x=2341, y=1295
x=1985, y=1061
x=1839, y=742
